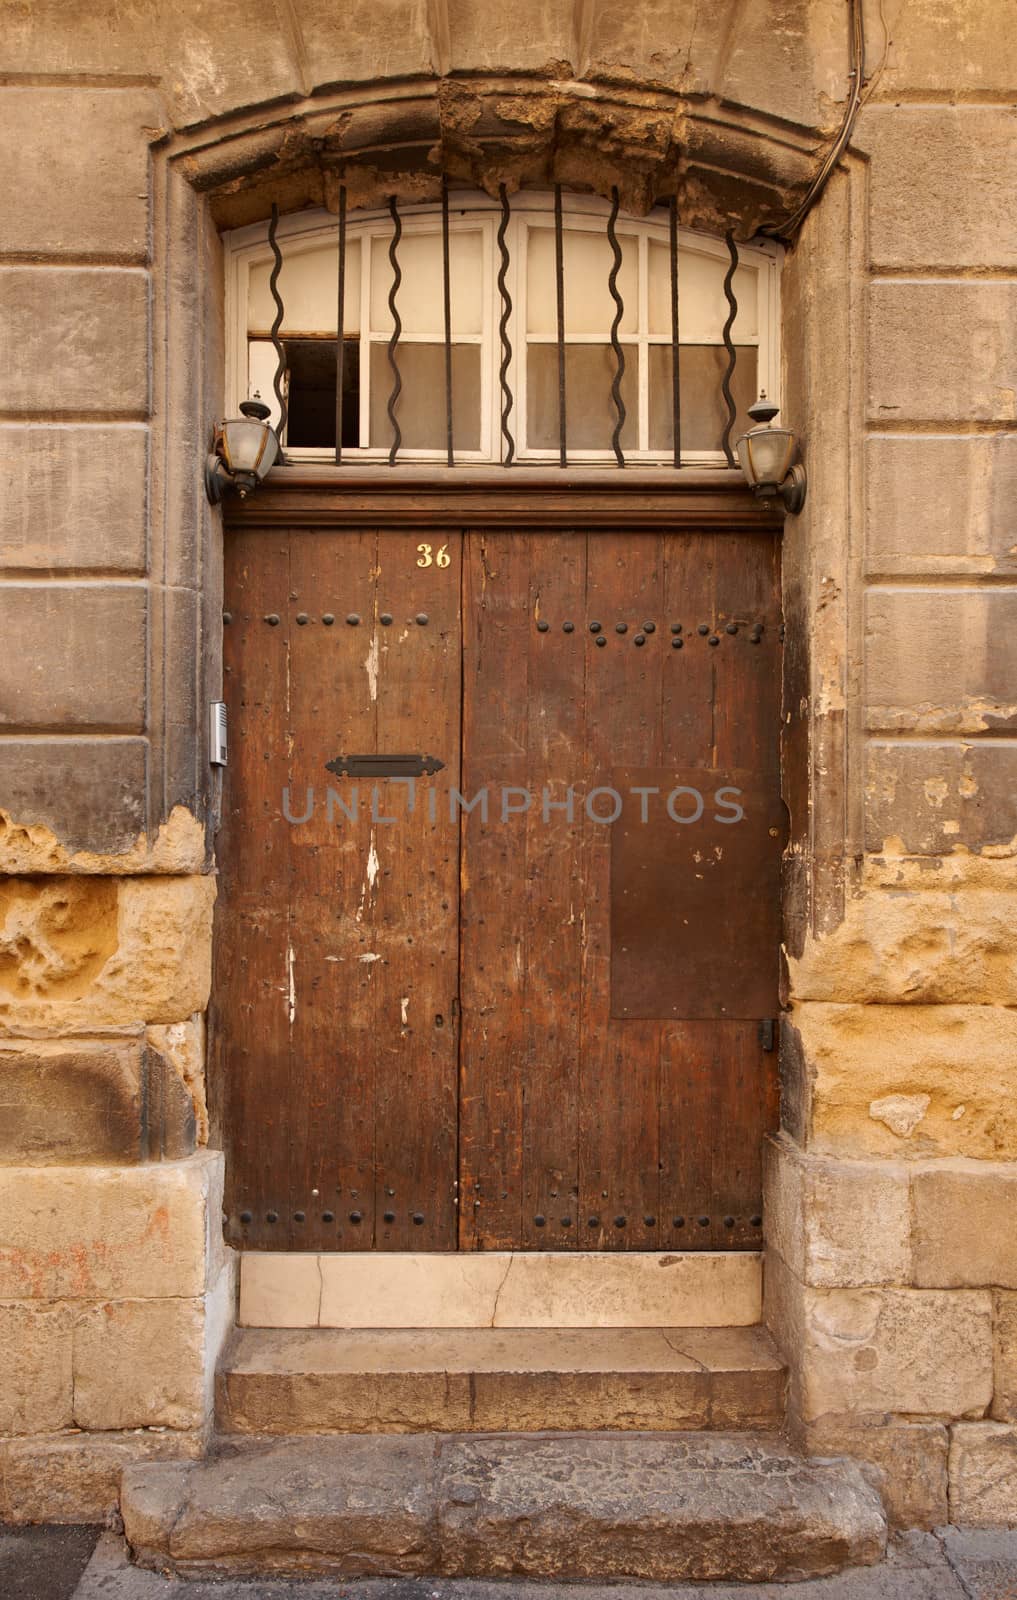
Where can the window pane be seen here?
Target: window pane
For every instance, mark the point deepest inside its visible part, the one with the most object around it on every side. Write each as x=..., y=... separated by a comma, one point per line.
x=702, y=306
x=420, y=410
x=703, y=411
x=311, y=415
x=587, y=259
x=589, y=411
x=421, y=292
x=309, y=286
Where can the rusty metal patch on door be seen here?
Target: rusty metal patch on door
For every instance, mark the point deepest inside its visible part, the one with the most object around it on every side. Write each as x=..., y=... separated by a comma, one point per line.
x=695, y=893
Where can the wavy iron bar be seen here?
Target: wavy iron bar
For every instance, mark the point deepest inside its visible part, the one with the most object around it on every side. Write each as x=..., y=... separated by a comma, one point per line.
x=506, y=344
x=732, y=354
x=278, y=382
x=619, y=311
x=397, y=328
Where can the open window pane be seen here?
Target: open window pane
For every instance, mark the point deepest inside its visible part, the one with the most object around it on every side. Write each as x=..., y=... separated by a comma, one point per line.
x=590, y=413
x=309, y=286
x=311, y=419
x=421, y=292
x=702, y=304
x=420, y=410
x=588, y=259
x=703, y=410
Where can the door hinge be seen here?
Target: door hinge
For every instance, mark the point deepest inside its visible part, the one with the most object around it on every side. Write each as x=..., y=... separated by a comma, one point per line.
x=768, y=1034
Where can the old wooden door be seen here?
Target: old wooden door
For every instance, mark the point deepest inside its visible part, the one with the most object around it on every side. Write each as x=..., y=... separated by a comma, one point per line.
x=456, y=1006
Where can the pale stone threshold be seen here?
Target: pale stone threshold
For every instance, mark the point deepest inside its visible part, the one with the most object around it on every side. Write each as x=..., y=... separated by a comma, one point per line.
x=501, y=1289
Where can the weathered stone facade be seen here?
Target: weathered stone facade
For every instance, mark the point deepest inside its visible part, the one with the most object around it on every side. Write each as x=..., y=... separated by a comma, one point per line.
x=130, y=140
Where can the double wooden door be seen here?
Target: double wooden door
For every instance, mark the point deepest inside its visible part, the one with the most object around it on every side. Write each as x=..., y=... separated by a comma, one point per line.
x=497, y=933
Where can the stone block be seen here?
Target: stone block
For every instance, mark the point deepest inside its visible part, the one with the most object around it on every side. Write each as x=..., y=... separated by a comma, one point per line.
x=983, y=1474
x=519, y=1380
x=925, y=1353
x=701, y=1507
x=75, y=657
x=182, y=1044
x=74, y=497
x=1004, y=1398
x=620, y=1507
x=789, y=62
x=941, y=660
x=941, y=505
x=140, y=1364
x=62, y=795
x=938, y=193
x=837, y=1224
x=962, y=1213
x=945, y=47
x=364, y=42
x=36, y=1367
x=75, y=1477
x=74, y=339
x=534, y=38
x=89, y=1101
x=94, y=952
x=666, y=42
x=366, y=1505
x=910, y=1458
x=78, y=183
x=937, y=796
x=89, y=1233
x=915, y=946
x=211, y=60
x=967, y=373
x=910, y=1081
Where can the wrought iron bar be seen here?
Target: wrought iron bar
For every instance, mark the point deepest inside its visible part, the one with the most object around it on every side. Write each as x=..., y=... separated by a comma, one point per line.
x=559, y=279
x=397, y=328
x=506, y=312
x=340, y=349
x=446, y=283
x=619, y=311
x=676, y=393
x=278, y=383
x=732, y=354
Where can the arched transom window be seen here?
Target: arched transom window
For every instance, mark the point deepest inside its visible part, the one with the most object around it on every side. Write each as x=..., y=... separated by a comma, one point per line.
x=563, y=341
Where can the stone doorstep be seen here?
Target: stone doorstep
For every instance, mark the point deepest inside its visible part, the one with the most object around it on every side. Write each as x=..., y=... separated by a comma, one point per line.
x=487, y=1380
x=501, y=1288
x=701, y=1507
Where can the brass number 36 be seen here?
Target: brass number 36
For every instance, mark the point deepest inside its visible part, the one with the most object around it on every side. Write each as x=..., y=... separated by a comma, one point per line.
x=426, y=559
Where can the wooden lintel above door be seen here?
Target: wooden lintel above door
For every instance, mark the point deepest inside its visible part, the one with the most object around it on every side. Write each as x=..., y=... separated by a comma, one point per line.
x=511, y=497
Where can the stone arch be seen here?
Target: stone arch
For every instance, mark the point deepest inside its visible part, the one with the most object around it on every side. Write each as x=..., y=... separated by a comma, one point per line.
x=731, y=167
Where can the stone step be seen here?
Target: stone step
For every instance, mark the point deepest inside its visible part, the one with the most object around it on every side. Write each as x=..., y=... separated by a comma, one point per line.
x=665, y=1507
x=489, y=1380
x=501, y=1289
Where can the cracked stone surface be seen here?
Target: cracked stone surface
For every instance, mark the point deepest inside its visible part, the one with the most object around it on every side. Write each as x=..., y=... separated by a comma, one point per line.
x=660, y=1507
x=318, y=1380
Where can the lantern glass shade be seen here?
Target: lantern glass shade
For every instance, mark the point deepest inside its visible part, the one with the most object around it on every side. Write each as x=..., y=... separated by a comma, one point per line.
x=249, y=447
x=765, y=455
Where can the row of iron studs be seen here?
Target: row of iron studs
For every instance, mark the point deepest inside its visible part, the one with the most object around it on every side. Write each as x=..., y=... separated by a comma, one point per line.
x=386, y=619
x=356, y=1217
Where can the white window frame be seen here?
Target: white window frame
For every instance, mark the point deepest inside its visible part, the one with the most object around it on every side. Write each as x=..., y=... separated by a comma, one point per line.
x=307, y=230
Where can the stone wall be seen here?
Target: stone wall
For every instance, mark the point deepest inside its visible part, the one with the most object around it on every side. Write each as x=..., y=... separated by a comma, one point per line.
x=130, y=138
x=890, y=1272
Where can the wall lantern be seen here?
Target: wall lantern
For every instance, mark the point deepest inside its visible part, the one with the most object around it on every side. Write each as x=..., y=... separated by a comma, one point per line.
x=767, y=457
x=243, y=450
